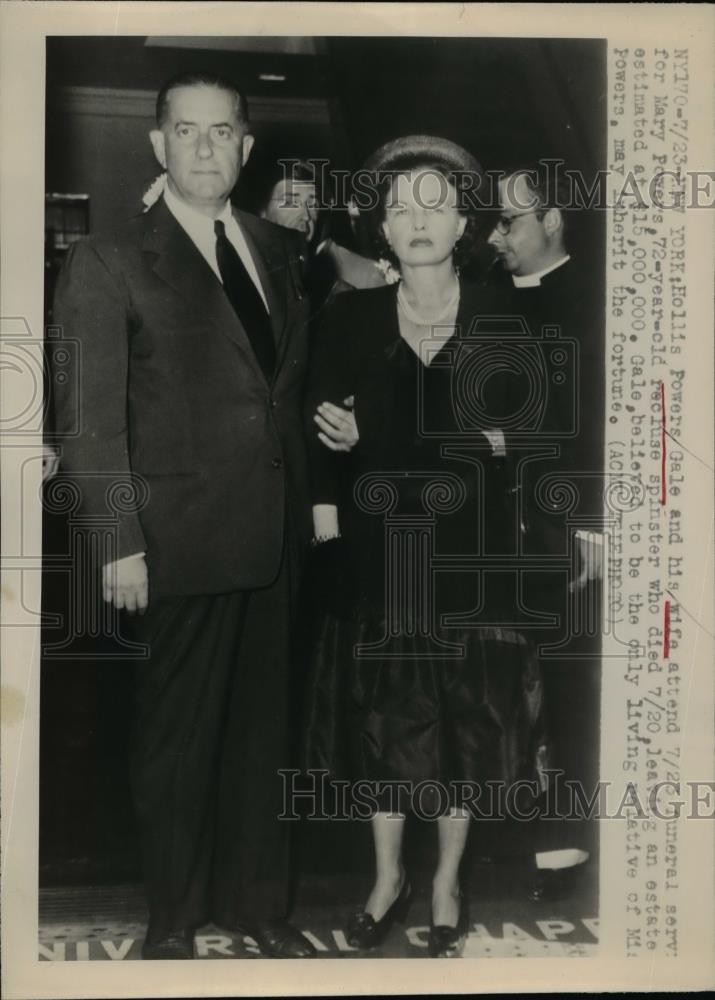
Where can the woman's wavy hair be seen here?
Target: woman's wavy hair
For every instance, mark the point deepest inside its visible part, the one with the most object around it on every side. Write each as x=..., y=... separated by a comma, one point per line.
x=465, y=249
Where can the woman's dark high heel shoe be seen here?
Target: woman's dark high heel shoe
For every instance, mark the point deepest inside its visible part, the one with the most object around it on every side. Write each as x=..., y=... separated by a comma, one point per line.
x=363, y=931
x=448, y=942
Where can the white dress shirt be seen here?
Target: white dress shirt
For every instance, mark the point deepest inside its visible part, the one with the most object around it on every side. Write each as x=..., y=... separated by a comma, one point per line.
x=200, y=229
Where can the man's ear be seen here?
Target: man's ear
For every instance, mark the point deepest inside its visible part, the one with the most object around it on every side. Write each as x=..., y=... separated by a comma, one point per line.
x=246, y=147
x=157, y=141
x=552, y=221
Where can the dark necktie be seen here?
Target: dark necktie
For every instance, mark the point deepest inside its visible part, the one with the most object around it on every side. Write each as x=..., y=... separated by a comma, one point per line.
x=246, y=301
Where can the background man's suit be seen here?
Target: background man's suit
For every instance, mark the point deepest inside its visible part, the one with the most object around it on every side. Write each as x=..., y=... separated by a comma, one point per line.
x=170, y=391
x=570, y=300
x=569, y=297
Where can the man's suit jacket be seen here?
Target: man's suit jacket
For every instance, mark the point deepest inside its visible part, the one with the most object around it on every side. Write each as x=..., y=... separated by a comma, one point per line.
x=571, y=300
x=168, y=391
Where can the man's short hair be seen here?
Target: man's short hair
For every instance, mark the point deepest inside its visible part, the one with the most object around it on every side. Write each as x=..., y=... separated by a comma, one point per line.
x=200, y=79
x=275, y=171
x=546, y=181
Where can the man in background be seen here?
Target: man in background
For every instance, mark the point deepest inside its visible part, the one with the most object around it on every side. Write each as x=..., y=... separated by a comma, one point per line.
x=286, y=193
x=551, y=288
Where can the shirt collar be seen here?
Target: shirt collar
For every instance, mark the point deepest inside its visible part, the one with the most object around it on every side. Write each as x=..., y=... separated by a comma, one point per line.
x=194, y=222
x=534, y=280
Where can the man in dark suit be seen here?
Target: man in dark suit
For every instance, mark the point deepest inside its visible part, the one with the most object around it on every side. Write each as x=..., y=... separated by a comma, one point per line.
x=192, y=329
x=552, y=291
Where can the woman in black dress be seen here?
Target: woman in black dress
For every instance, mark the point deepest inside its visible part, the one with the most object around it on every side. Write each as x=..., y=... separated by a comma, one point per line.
x=414, y=679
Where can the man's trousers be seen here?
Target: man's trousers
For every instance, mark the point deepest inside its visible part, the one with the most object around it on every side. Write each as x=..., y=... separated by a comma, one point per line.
x=215, y=708
x=572, y=695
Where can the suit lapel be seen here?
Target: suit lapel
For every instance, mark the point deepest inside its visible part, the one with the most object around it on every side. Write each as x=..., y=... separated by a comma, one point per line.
x=269, y=259
x=179, y=264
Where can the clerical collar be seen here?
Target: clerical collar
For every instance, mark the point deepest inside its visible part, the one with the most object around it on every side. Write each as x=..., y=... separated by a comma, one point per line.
x=534, y=280
x=190, y=218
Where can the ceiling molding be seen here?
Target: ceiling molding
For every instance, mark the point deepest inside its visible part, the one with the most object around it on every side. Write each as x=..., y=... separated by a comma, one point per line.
x=111, y=102
x=303, y=45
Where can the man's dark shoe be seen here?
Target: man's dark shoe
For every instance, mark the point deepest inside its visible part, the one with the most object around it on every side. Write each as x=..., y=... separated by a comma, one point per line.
x=279, y=939
x=545, y=886
x=550, y=885
x=178, y=945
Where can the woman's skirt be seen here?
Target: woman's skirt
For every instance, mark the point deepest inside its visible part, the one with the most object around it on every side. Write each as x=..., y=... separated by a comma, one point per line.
x=458, y=709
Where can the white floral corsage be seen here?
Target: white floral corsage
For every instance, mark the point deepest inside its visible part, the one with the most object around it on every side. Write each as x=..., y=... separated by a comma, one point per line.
x=154, y=192
x=388, y=271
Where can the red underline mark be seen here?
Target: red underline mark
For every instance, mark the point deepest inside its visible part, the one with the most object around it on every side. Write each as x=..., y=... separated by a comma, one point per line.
x=662, y=444
x=666, y=609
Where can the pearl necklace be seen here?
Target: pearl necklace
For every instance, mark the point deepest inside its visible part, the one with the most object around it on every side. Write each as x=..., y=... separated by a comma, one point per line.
x=415, y=317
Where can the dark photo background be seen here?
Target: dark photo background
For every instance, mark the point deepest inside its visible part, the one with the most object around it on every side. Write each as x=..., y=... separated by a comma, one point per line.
x=334, y=98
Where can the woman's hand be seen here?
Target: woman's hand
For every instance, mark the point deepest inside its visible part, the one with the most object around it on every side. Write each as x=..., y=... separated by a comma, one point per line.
x=50, y=462
x=497, y=441
x=338, y=429
x=590, y=560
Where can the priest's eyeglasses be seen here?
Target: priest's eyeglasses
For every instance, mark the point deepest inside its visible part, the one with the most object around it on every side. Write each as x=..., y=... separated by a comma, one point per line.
x=505, y=222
